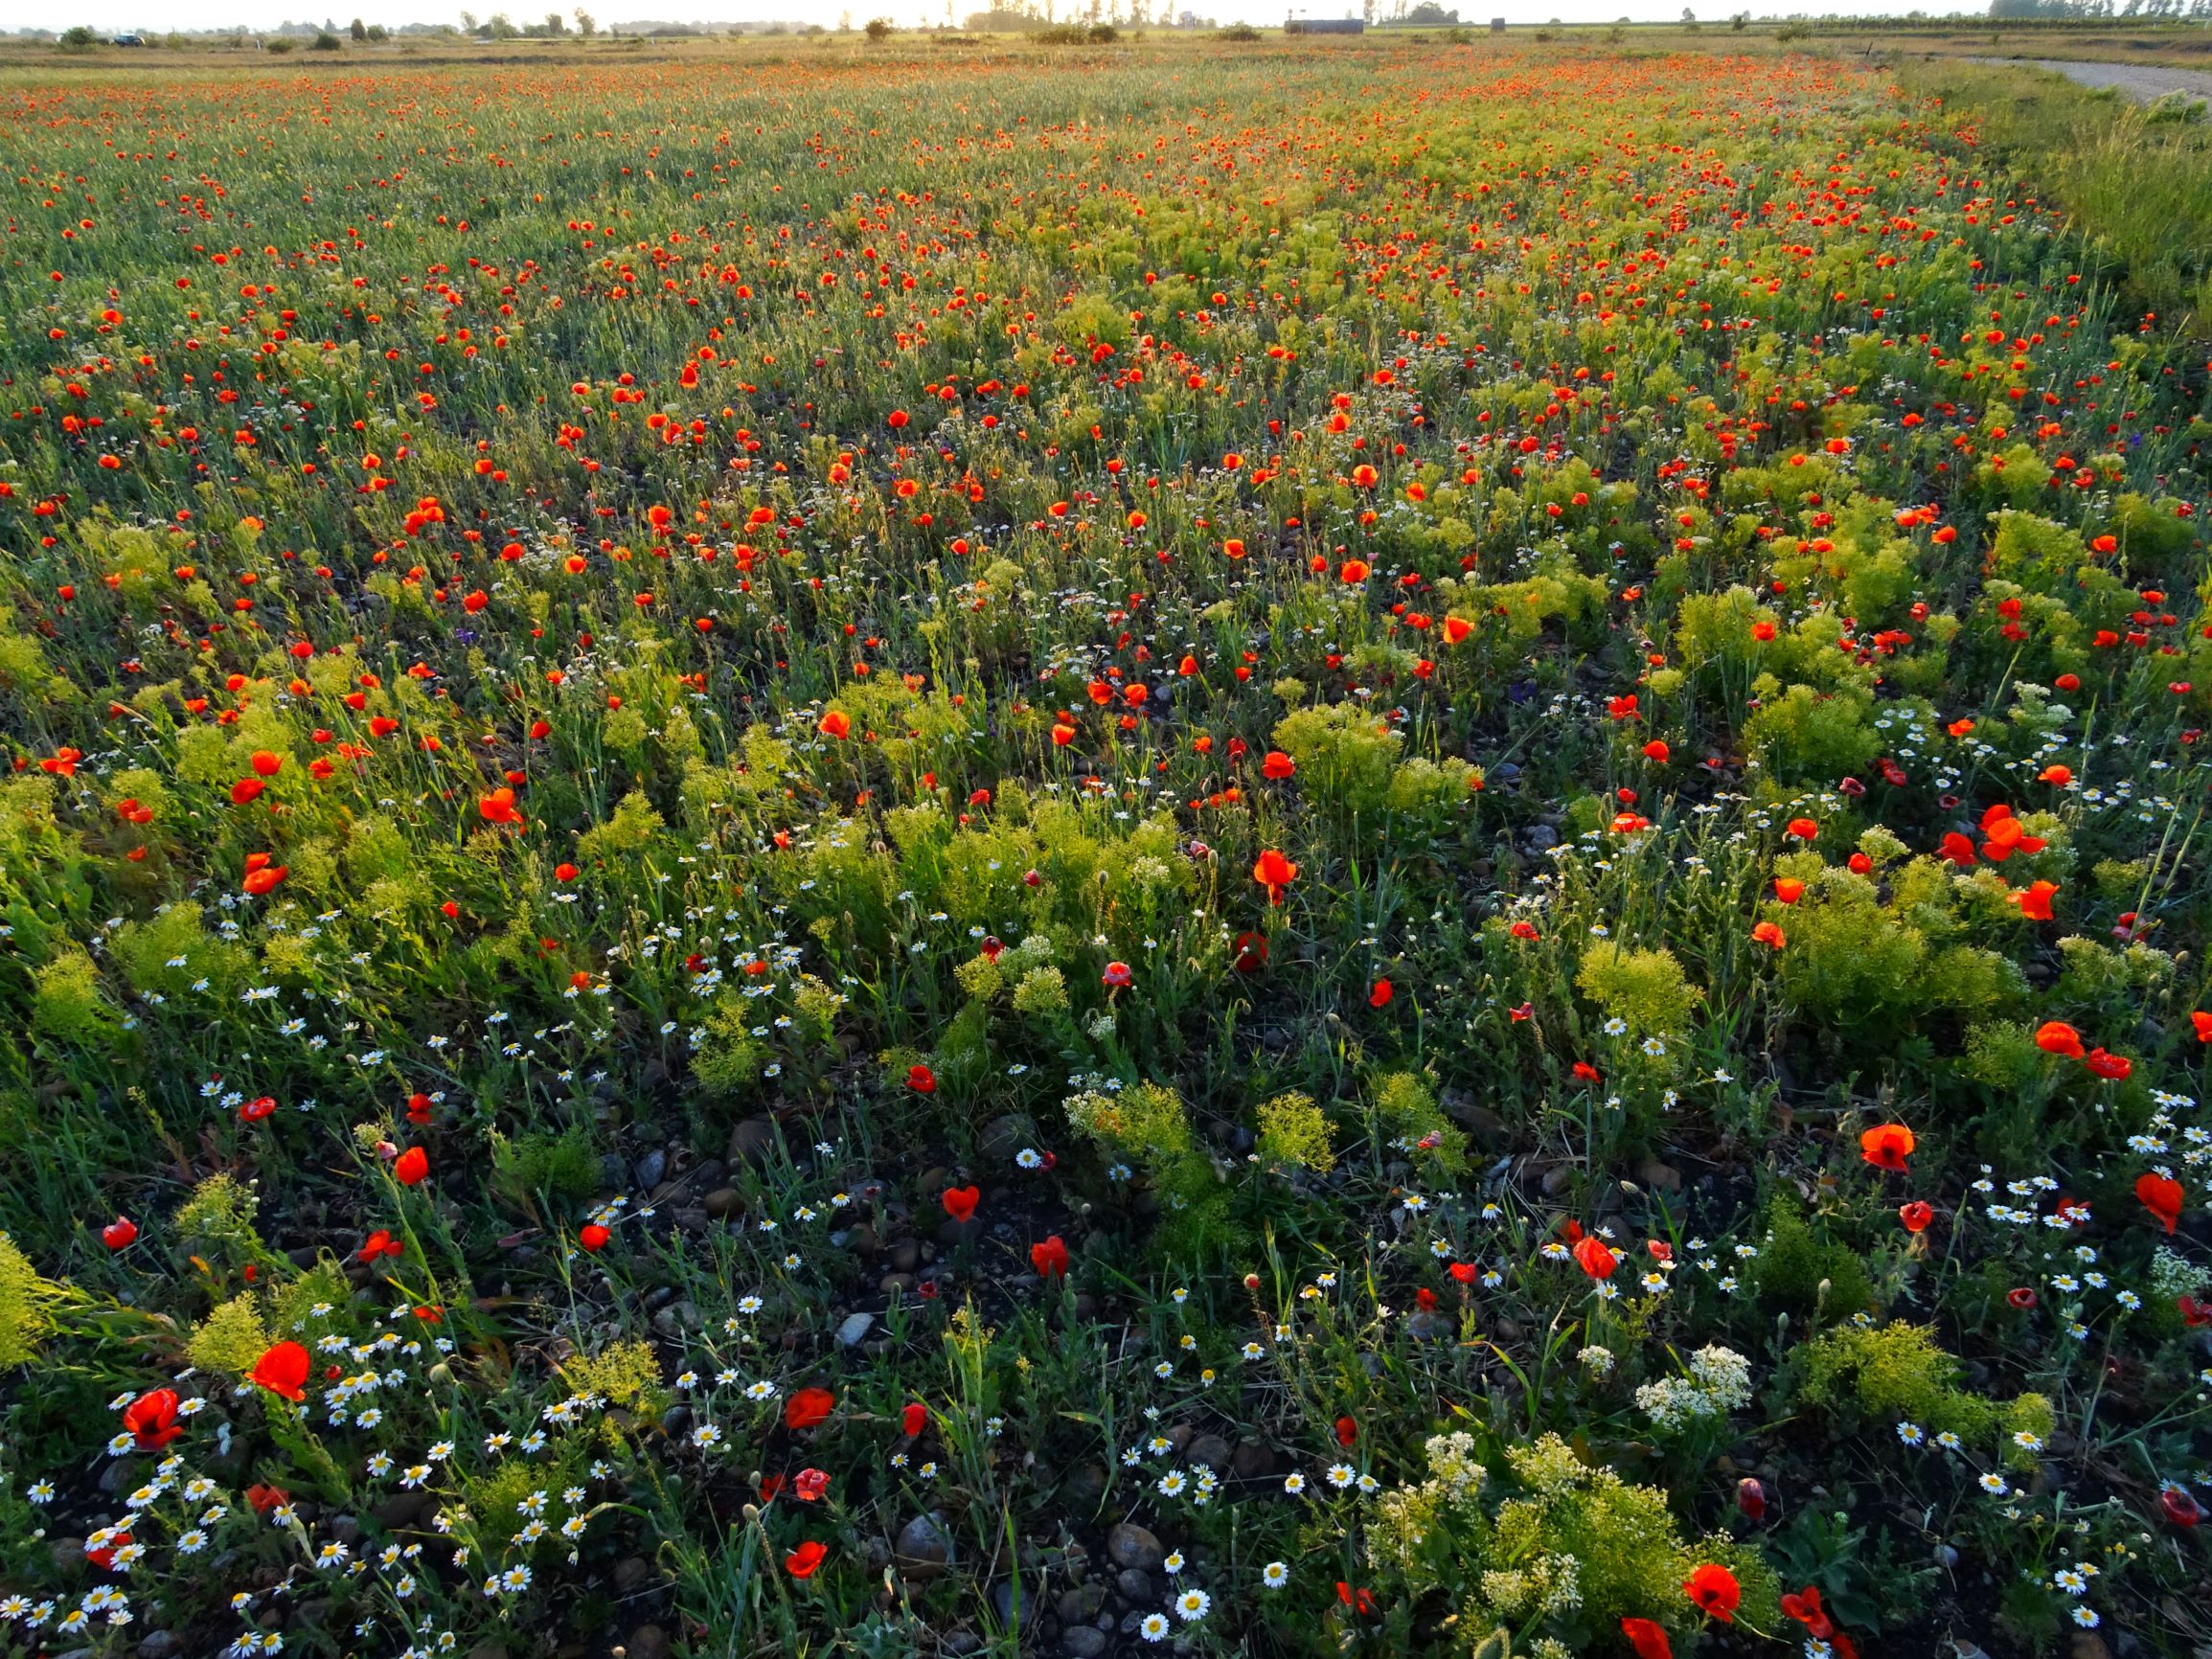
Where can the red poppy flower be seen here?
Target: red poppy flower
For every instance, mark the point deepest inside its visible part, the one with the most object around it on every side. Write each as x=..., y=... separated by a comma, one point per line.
x=1275, y=872
x=2023, y=1298
x=1278, y=765
x=2202, y=1021
x=1346, y=1430
x=2112, y=1067
x=2180, y=1506
x=262, y=876
x=152, y=1419
x=914, y=1419
x=410, y=1167
x=2162, y=1195
x=1770, y=935
x=2034, y=900
x=1049, y=1259
x=1916, y=1215
x=1751, y=1499
x=1252, y=953
x=959, y=1202
x=282, y=1370
x=1647, y=1639
x=1805, y=1607
x=2057, y=1037
x=808, y=1484
x=593, y=1236
x=836, y=723
x=922, y=1080
x=2003, y=836
x=809, y=1407
x=1802, y=830
x=802, y=1562
x=1380, y=993
x=1655, y=750
x=1715, y=1591
x=119, y=1232
x=1593, y=1258
x=1887, y=1147
x=1117, y=975
x=1788, y=888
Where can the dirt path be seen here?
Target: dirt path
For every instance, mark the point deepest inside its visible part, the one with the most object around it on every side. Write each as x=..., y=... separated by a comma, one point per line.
x=2143, y=83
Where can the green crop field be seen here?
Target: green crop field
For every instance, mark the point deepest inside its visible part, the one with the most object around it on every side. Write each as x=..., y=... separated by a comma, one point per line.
x=1201, y=846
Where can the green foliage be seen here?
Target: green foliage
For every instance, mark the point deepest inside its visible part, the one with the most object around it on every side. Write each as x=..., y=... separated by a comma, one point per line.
x=218, y=1221
x=233, y=1338
x=1345, y=754
x=560, y=1165
x=70, y=1005
x=1806, y=736
x=1571, y=1552
x=1645, y=988
x=1900, y=1372
x=27, y=1305
x=1147, y=1123
x=1295, y=1133
x=1797, y=1271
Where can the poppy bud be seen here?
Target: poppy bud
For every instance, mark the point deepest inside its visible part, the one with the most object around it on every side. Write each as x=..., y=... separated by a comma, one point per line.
x=1751, y=1499
x=1251, y=1281
x=593, y=1236
x=2180, y=1506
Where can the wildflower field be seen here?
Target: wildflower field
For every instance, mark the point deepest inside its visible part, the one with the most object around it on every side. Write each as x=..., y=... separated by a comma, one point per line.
x=1235, y=850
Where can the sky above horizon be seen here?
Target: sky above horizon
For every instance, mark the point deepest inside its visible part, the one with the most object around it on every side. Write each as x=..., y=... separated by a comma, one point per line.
x=114, y=16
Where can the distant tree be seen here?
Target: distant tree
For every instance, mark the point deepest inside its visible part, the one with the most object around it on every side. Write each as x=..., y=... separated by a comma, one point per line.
x=555, y=22
x=587, y=25
x=359, y=30
x=325, y=41
x=879, y=28
x=77, y=37
x=468, y=22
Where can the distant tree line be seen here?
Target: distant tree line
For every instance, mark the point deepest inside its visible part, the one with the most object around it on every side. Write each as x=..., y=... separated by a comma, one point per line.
x=2085, y=10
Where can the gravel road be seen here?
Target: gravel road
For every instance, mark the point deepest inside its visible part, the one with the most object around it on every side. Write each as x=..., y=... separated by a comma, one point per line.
x=2143, y=83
